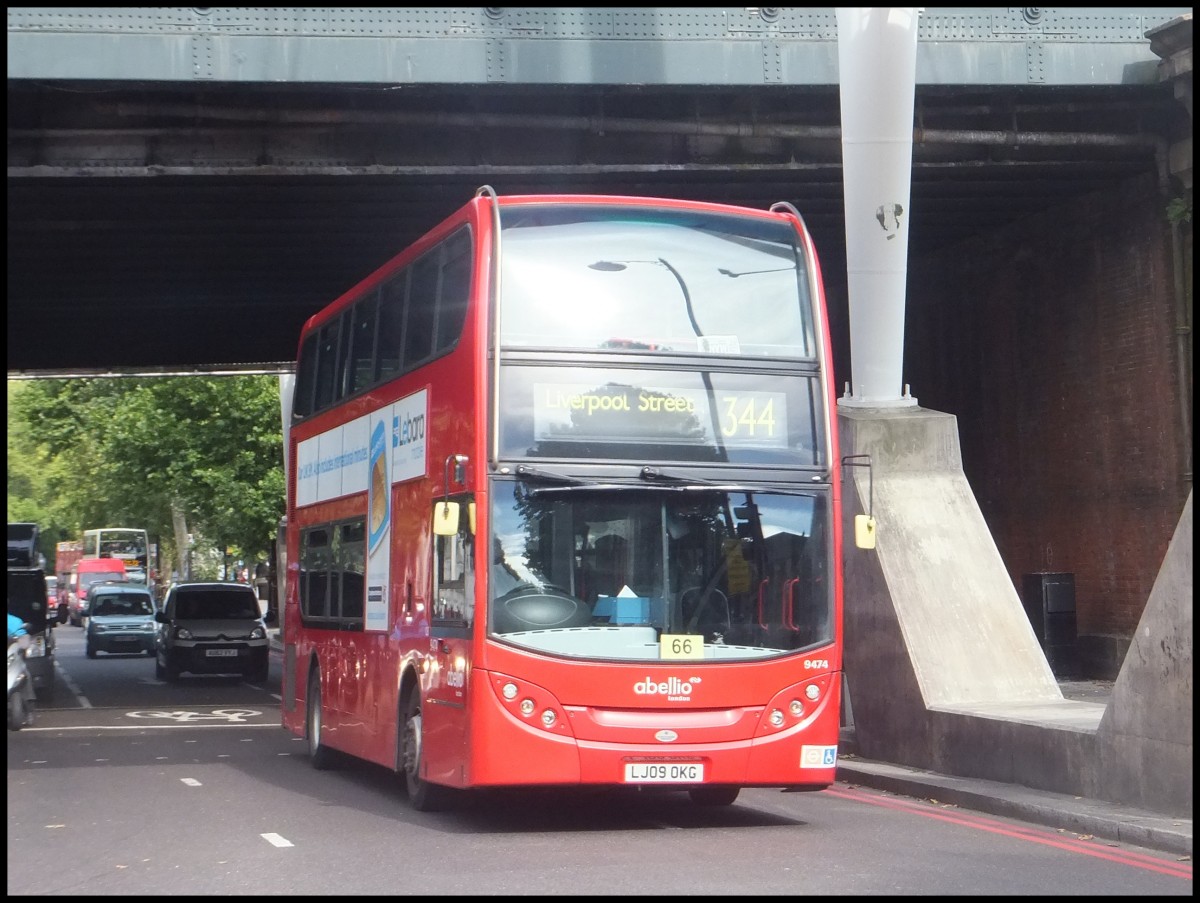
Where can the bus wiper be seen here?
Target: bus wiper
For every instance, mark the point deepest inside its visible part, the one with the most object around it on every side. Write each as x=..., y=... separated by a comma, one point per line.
x=525, y=472
x=657, y=474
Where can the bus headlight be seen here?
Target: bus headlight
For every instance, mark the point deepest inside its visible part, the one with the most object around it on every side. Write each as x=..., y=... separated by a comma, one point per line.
x=533, y=706
x=812, y=691
x=776, y=718
x=797, y=708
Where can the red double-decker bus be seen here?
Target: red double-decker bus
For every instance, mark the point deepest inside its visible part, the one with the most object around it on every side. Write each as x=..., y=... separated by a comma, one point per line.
x=564, y=505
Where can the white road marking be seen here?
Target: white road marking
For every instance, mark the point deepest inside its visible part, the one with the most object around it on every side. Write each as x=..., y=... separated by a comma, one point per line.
x=276, y=840
x=83, y=700
x=233, y=715
x=191, y=782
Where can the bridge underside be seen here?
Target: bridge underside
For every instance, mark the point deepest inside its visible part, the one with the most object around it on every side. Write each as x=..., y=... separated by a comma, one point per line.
x=175, y=225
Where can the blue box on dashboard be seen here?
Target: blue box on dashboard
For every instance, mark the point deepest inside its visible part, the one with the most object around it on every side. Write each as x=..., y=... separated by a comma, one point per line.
x=627, y=609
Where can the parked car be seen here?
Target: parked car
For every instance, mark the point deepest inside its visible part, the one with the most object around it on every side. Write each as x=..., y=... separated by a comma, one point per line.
x=87, y=572
x=52, y=606
x=120, y=618
x=212, y=628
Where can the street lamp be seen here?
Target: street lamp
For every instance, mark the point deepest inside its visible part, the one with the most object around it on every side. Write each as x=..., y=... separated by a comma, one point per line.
x=614, y=266
x=732, y=275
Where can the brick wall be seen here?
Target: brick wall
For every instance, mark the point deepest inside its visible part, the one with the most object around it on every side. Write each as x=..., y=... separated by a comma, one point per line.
x=1052, y=341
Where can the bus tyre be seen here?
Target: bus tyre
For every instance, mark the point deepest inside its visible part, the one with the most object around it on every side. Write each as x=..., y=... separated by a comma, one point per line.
x=320, y=755
x=714, y=796
x=422, y=795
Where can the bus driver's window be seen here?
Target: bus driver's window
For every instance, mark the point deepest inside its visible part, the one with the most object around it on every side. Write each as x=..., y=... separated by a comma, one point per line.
x=454, y=574
x=610, y=564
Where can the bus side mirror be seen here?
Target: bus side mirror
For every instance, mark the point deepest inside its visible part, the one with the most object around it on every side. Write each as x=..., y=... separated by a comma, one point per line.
x=864, y=524
x=864, y=531
x=445, y=518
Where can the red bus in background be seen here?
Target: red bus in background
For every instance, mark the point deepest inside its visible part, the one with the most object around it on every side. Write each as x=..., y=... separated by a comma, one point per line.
x=564, y=505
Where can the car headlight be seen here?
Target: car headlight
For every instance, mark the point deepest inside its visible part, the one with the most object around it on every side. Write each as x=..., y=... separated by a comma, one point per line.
x=183, y=633
x=257, y=633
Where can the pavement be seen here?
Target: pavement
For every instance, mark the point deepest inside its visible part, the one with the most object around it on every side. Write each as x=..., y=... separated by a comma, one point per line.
x=1079, y=816
x=1082, y=817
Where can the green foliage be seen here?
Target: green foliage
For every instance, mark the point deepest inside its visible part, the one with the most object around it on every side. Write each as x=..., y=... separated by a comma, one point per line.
x=125, y=452
x=1179, y=210
x=33, y=474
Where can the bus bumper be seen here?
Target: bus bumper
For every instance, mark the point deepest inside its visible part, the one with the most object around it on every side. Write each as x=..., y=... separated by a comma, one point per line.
x=513, y=749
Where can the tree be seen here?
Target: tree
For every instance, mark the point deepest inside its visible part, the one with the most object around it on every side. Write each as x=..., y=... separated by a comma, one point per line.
x=204, y=452
x=35, y=478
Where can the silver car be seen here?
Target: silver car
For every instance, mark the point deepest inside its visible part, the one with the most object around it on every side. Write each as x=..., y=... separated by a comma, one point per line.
x=120, y=618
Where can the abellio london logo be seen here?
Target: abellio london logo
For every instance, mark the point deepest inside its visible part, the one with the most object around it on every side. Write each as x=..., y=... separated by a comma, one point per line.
x=675, y=689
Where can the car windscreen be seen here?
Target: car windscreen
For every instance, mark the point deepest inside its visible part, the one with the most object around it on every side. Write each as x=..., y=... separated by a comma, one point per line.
x=87, y=579
x=122, y=604
x=213, y=604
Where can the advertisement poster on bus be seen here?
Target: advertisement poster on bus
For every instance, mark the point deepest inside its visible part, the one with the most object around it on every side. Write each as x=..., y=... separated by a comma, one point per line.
x=369, y=454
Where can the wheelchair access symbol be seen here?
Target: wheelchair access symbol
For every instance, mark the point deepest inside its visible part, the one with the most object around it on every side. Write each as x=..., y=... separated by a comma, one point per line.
x=231, y=716
x=818, y=756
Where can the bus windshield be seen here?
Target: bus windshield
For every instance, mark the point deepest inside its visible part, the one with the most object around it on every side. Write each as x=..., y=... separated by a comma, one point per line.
x=592, y=574
x=653, y=279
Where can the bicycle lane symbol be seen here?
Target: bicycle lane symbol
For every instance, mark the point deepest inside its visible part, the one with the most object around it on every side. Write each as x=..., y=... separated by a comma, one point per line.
x=230, y=716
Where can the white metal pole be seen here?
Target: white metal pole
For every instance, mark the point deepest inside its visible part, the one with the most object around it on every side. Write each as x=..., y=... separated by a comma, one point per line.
x=877, y=51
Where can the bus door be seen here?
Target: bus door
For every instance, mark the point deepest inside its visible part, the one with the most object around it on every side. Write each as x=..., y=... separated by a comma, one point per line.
x=452, y=620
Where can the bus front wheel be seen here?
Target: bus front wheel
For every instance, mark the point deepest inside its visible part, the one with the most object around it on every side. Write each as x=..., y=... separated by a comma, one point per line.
x=422, y=795
x=320, y=755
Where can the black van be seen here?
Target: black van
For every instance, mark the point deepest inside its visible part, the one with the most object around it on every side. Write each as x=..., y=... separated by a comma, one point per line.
x=27, y=600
